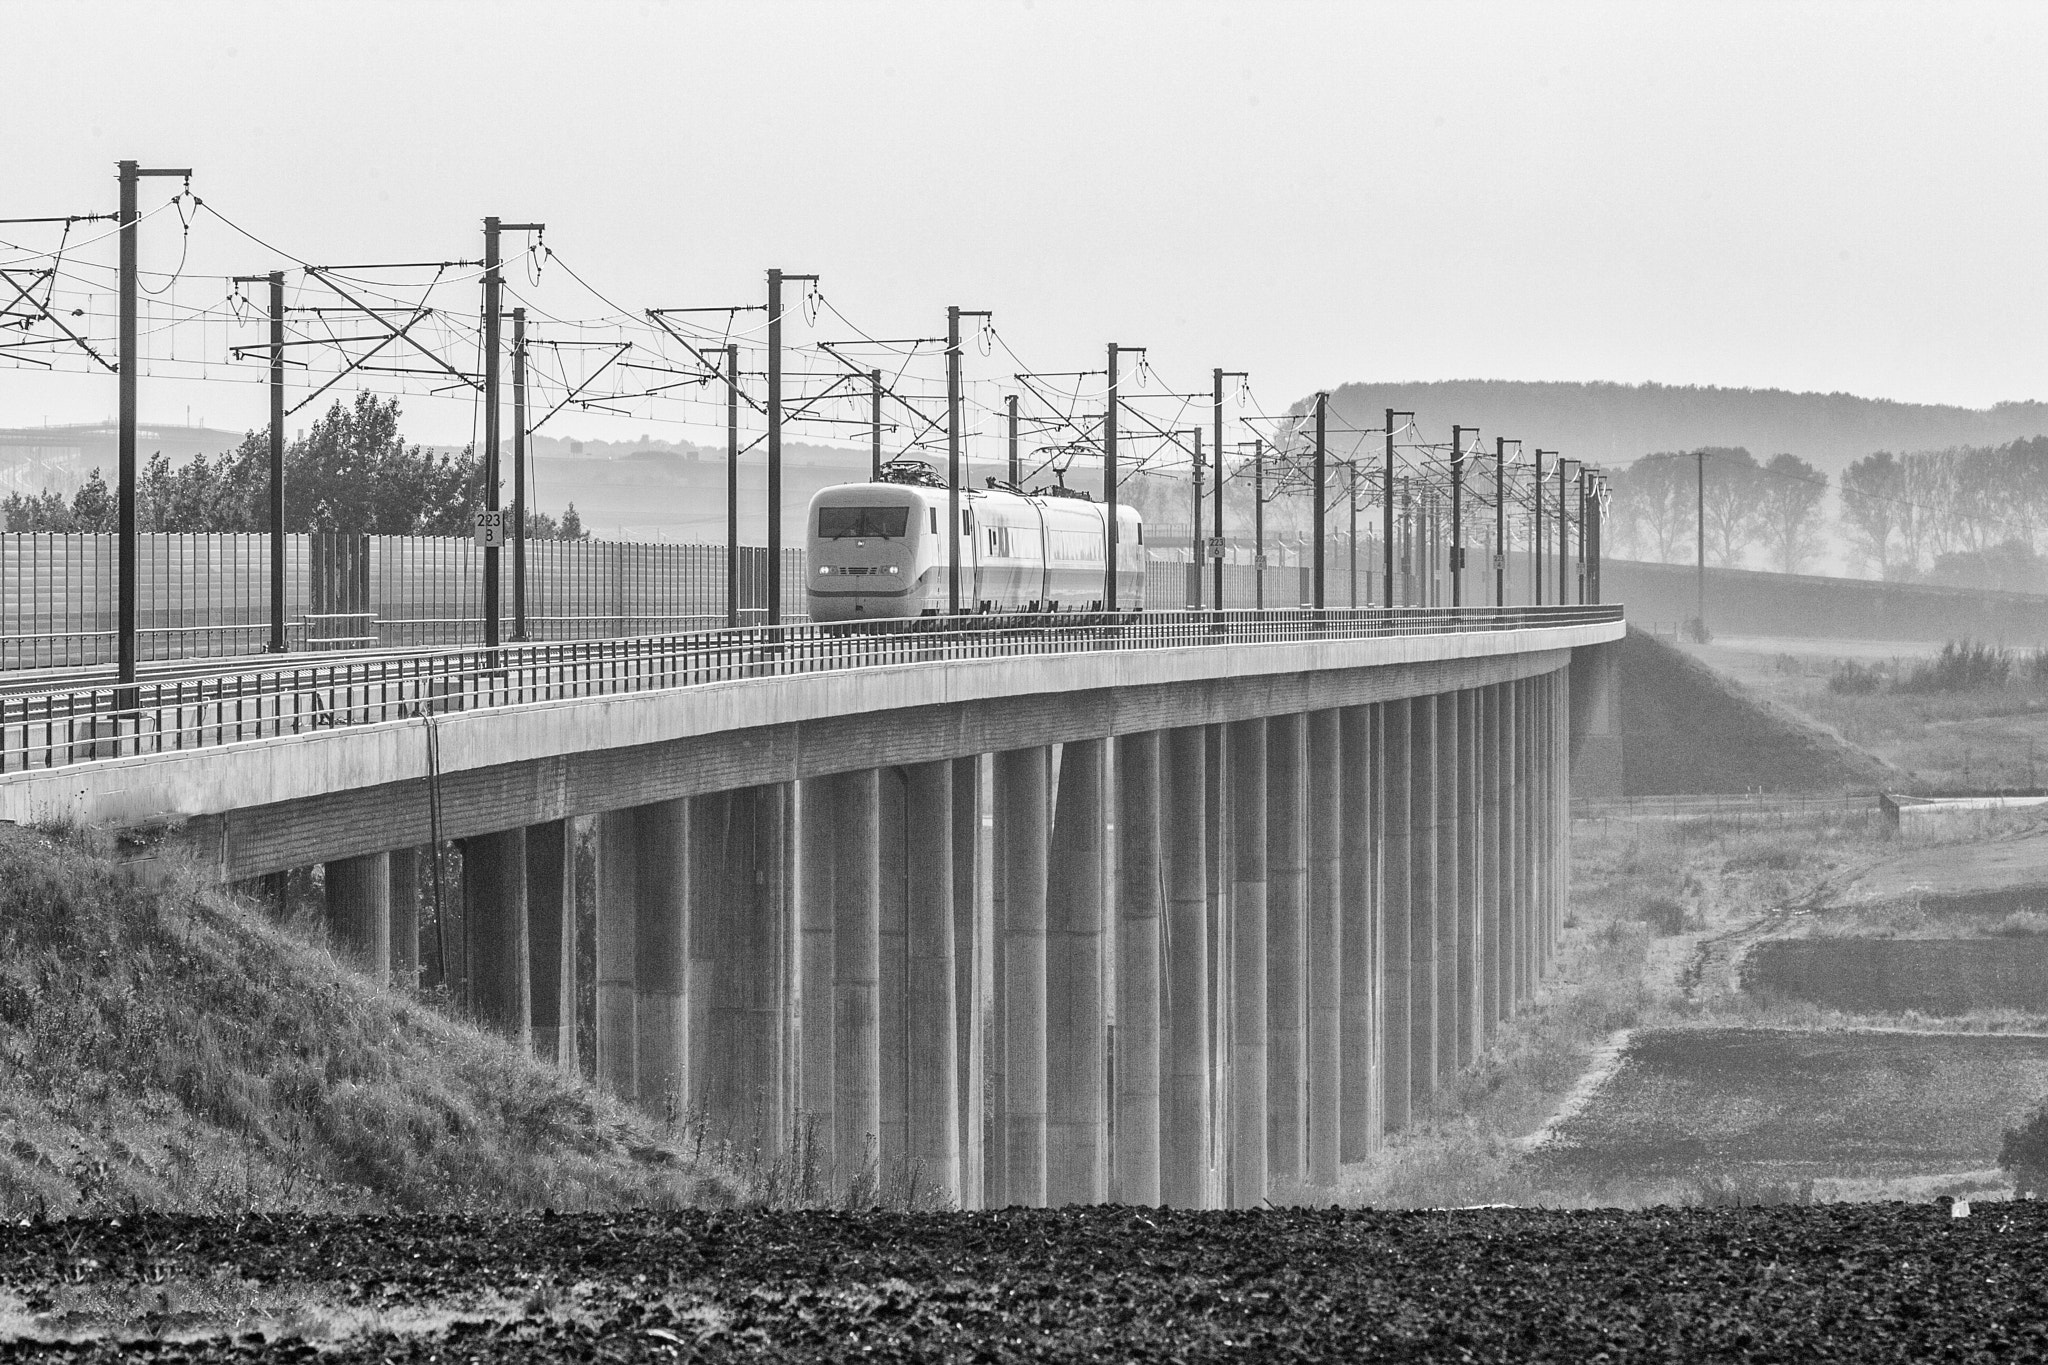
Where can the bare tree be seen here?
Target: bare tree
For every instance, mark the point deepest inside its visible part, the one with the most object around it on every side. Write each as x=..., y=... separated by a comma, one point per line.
x=1789, y=496
x=1732, y=477
x=1873, y=508
x=1653, y=507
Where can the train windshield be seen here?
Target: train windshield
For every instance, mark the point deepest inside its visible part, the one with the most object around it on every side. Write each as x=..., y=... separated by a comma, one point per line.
x=879, y=523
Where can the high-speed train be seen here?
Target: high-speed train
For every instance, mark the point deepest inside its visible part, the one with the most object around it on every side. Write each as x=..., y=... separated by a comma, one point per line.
x=878, y=550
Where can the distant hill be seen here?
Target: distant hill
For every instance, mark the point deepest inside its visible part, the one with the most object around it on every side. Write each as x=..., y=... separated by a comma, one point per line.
x=1612, y=424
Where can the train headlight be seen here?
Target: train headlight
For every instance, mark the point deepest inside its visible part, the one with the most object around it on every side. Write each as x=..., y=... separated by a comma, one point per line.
x=824, y=568
x=892, y=568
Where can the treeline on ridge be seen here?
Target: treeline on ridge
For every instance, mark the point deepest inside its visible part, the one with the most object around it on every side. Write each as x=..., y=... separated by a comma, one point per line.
x=353, y=471
x=1968, y=516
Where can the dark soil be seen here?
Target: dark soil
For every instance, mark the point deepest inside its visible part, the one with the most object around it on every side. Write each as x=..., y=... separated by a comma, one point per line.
x=1841, y=1282
x=1793, y=1104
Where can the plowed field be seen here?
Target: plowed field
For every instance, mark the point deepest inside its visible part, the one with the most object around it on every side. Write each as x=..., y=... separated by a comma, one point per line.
x=1864, y=1283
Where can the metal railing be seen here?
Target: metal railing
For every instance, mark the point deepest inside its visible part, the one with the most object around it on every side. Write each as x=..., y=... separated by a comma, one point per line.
x=60, y=728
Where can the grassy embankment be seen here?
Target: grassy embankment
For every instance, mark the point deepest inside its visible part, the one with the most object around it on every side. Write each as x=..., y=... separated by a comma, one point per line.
x=171, y=1048
x=1947, y=730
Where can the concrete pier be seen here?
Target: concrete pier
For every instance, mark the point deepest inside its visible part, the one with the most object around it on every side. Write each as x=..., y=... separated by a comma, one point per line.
x=1286, y=947
x=494, y=894
x=359, y=912
x=931, y=1101
x=972, y=859
x=1492, y=768
x=856, y=982
x=1358, y=932
x=1448, y=771
x=816, y=968
x=661, y=969
x=618, y=895
x=1139, y=916
x=1022, y=780
x=1424, y=777
x=1322, y=1081
x=551, y=940
x=1187, y=1135
x=737, y=910
x=1397, y=915
x=1075, y=1130
x=1469, y=963
x=1248, y=976
x=405, y=917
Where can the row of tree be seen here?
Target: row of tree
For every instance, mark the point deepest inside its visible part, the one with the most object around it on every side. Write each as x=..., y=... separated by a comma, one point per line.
x=1974, y=516
x=1664, y=502
x=353, y=471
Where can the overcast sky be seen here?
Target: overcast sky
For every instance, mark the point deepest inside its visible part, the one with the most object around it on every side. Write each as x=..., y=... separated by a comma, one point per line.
x=1806, y=196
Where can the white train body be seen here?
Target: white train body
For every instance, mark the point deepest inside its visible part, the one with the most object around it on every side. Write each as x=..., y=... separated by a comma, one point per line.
x=877, y=550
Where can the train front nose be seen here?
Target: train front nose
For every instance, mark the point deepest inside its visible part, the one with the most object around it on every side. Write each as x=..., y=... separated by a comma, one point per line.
x=844, y=592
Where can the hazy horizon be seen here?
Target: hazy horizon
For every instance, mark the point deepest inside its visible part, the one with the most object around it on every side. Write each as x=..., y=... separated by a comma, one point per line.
x=1817, y=198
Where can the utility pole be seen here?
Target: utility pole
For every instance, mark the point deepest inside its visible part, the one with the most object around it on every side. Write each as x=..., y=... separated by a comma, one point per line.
x=494, y=285
x=1500, y=521
x=875, y=426
x=776, y=279
x=1387, y=514
x=1353, y=486
x=1109, y=567
x=1564, y=539
x=1458, y=514
x=1259, y=521
x=130, y=173
x=1016, y=470
x=1536, y=531
x=1322, y=472
x=1217, y=377
x=732, y=486
x=1579, y=564
x=1597, y=519
x=1700, y=543
x=1195, y=530
x=275, y=498
x=518, y=474
x=954, y=530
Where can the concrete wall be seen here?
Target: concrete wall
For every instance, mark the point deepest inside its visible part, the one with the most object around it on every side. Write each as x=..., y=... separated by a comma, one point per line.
x=266, y=805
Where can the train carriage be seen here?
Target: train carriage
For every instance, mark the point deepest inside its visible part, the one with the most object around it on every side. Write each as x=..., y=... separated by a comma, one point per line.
x=879, y=551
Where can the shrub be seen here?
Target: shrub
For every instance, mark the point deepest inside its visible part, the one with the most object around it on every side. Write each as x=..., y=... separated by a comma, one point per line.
x=1664, y=915
x=2025, y=1153
x=1965, y=666
x=1744, y=1192
x=1851, y=679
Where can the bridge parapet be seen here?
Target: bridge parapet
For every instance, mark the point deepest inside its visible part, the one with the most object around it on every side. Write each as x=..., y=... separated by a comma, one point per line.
x=65, y=728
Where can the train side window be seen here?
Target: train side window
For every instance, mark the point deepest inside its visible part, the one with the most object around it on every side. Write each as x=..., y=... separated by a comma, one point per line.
x=935, y=519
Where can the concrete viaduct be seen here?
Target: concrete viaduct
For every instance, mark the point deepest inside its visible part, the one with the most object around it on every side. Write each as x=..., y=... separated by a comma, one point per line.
x=1186, y=908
